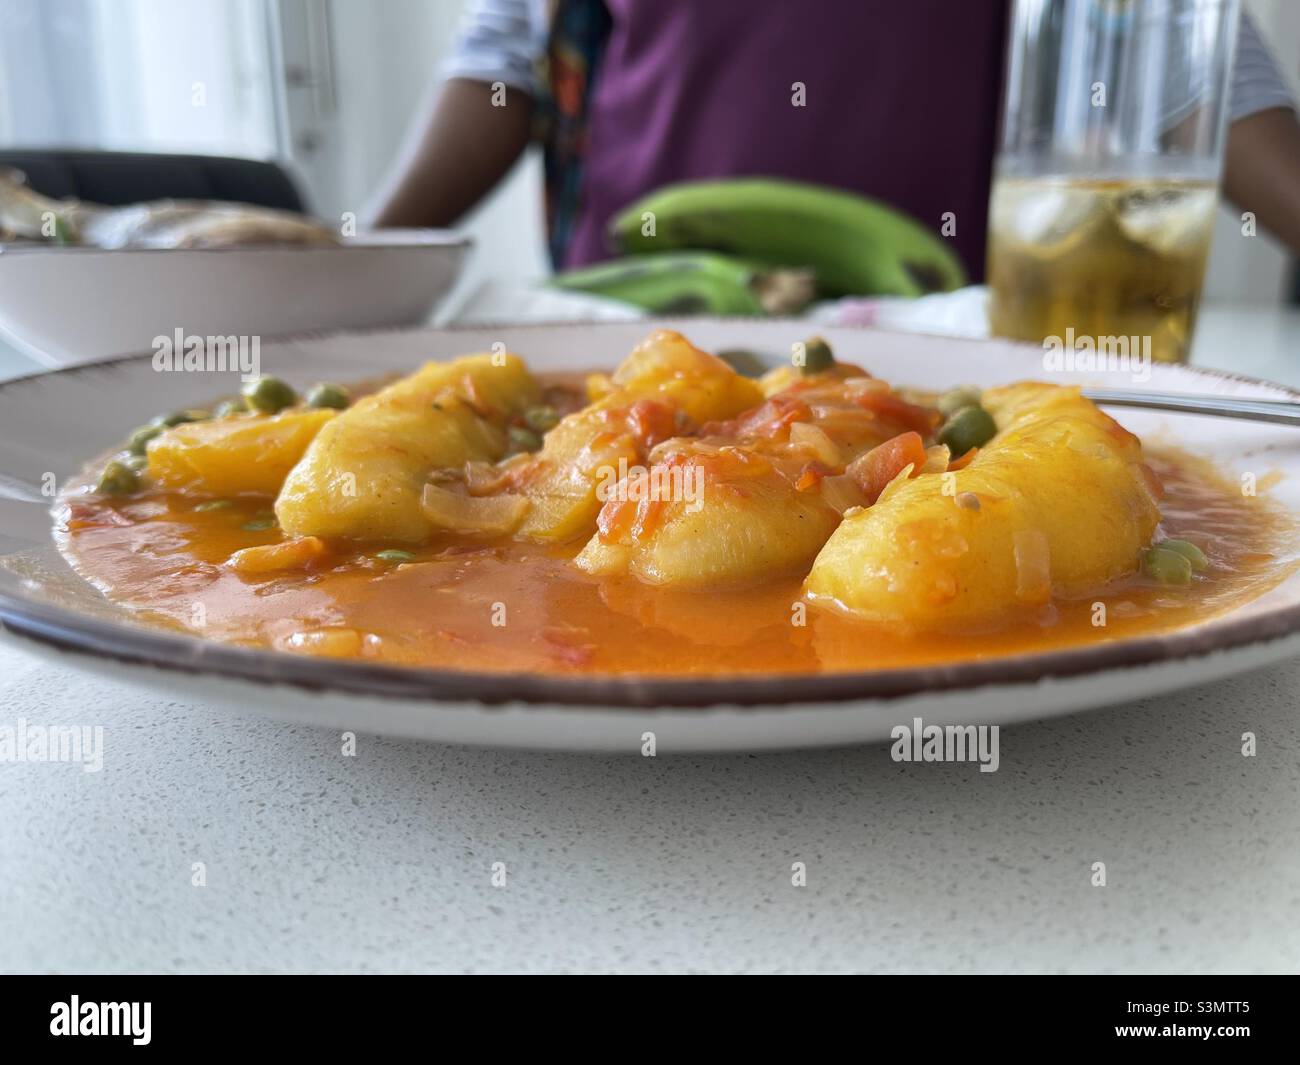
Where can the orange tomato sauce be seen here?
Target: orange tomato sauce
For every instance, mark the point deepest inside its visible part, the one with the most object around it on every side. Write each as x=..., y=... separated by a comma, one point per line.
x=508, y=606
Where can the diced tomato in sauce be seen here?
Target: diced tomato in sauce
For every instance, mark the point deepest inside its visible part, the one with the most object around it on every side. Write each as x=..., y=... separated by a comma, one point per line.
x=874, y=470
x=889, y=407
x=811, y=476
x=768, y=421
x=651, y=423
x=623, y=521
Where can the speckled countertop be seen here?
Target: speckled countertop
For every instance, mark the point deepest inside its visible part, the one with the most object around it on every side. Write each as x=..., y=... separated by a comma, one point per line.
x=384, y=861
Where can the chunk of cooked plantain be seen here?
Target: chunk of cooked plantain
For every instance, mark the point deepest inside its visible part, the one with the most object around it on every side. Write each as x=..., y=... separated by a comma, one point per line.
x=233, y=456
x=771, y=485
x=363, y=476
x=704, y=520
x=665, y=386
x=1058, y=503
x=668, y=367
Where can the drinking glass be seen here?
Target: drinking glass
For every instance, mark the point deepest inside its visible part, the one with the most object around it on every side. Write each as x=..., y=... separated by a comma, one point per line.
x=1106, y=177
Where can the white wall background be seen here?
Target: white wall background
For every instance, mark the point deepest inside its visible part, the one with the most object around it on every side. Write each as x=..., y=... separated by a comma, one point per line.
x=387, y=54
x=163, y=75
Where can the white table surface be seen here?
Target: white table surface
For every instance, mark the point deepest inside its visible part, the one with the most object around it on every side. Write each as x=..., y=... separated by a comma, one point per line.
x=383, y=861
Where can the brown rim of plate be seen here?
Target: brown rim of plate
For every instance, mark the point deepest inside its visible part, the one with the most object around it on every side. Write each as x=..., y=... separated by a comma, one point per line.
x=72, y=632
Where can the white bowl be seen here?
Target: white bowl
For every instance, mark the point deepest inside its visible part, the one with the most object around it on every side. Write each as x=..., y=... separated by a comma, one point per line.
x=66, y=305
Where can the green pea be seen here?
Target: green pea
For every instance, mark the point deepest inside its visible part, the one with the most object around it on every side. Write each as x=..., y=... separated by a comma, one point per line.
x=138, y=441
x=542, y=418
x=1189, y=551
x=134, y=463
x=182, y=417
x=1166, y=566
x=967, y=428
x=118, y=479
x=269, y=395
x=328, y=395
x=817, y=356
x=228, y=407
x=259, y=524
x=64, y=233
x=954, y=399
x=394, y=555
x=522, y=439
x=213, y=504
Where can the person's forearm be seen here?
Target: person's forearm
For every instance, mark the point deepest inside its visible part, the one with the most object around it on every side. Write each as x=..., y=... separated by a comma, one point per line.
x=465, y=146
x=1262, y=171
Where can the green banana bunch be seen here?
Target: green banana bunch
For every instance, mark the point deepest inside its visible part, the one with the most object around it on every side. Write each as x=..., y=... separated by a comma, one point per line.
x=693, y=282
x=854, y=246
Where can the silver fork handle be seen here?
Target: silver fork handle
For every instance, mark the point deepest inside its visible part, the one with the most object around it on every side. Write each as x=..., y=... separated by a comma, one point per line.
x=1278, y=411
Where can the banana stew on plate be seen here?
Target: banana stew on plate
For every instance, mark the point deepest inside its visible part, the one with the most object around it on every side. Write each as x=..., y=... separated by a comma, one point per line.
x=673, y=517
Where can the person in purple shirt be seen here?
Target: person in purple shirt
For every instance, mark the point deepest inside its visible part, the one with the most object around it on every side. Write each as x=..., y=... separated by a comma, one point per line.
x=900, y=103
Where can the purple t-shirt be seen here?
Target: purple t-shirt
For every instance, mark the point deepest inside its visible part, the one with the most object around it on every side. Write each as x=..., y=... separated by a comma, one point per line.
x=901, y=102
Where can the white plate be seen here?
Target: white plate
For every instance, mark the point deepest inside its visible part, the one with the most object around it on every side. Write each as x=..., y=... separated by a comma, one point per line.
x=70, y=305
x=53, y=422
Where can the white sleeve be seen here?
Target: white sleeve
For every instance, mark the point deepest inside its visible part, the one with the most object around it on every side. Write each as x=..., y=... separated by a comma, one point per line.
x=1256, y=82
x=500, y=40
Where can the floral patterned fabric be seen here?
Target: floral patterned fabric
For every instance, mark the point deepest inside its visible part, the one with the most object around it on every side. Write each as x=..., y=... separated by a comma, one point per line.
x=579, y=30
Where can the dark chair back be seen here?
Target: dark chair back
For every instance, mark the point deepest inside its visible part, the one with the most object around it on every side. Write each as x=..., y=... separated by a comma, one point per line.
x=117, y=178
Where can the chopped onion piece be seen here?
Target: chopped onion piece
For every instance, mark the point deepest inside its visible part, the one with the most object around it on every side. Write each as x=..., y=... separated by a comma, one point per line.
x=677, y=446
x=936, y=459
x=1033, y=566
x=866, y=384
x=483, y=478
x=842, y=493
x=472, y=515
x=804, y=435
x=848, y=423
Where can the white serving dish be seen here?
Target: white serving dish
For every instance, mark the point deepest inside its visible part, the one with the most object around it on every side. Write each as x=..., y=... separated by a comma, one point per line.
x=67, y=305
